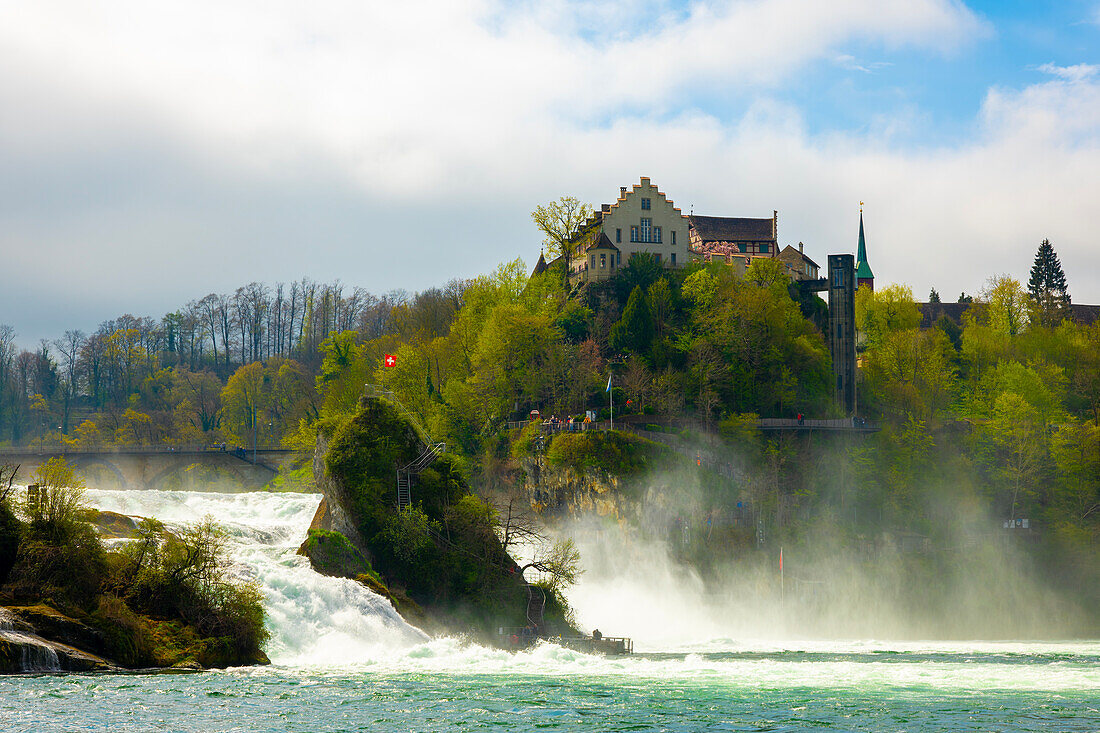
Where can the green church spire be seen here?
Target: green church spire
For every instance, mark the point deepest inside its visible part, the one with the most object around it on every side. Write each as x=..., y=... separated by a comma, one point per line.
x=863, y=270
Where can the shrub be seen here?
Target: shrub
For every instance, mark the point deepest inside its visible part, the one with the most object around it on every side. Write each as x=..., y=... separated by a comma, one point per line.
x=59, y=512
x=184, y=575
x=11, y=531
x=70, y=571
x=127, y=638
x=618, y=453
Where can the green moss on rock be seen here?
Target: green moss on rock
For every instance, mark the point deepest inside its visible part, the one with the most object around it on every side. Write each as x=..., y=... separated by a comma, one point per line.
x=330, y=553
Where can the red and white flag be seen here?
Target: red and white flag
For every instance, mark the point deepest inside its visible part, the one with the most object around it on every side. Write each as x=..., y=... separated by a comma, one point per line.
x=390, y=360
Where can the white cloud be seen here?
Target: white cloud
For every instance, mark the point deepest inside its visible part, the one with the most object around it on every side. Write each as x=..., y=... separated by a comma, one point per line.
x=1077, y=72
x=402, y=144
x=392, y=90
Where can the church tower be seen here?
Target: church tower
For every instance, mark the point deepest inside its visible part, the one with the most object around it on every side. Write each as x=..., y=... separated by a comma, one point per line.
x=864, y=276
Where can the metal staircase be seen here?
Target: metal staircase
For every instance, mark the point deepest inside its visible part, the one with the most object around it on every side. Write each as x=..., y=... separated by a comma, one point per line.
x=406, y=474
x=432, y=450
x=536, y=605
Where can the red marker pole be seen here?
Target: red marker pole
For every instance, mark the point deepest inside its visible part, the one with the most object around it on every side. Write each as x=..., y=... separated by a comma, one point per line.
x=782, y=584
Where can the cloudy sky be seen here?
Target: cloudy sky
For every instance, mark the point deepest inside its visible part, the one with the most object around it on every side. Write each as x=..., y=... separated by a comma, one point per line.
x=153, y=152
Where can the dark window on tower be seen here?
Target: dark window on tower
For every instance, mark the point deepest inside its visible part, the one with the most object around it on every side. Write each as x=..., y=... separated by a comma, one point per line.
x=645, y=204
x=674, y=237
x=633, y=234
x=618, y=235
x=657, y=234
x=673, y=259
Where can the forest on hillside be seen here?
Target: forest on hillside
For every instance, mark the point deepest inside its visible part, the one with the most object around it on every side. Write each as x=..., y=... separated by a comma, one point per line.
x=1008, y=398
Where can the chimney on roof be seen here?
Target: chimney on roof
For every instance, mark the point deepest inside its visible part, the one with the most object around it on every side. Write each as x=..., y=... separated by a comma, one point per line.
x=622, y=191
x=775, y=225
x=800, y=248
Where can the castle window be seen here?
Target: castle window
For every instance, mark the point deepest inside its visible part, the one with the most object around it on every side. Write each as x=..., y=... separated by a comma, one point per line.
x=672, y=259
x=657, y=256
x=633, y=234
x=763, y=248
x=646, y=223
x=645, y=204
x=618, y=236
x=593, y=260
x=743, y=247
x=657, y=234
x=603, y=260
x=673, y=237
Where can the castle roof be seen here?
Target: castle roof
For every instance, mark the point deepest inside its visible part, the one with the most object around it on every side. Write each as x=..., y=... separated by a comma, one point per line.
x=863, y=270
x=540, y=266
x=790, y=252
x=731, y=229
x=602, y=243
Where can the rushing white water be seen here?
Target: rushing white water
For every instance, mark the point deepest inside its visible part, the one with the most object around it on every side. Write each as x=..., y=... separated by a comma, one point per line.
x=332, y=626
x=313, y=619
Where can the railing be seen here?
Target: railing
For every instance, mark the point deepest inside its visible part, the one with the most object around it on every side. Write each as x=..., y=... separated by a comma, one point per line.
x=857, y=424
x=560, y=427
x=57, y=450
x=518, y=637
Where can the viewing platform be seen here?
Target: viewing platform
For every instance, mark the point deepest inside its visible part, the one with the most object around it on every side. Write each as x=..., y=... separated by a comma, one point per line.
x=517, y=638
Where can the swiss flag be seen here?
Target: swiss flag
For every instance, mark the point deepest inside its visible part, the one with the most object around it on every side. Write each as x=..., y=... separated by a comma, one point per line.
x=390, y=360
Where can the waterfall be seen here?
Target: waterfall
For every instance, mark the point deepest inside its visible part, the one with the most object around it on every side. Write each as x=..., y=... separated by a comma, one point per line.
x=36, y=656
x=313, y=619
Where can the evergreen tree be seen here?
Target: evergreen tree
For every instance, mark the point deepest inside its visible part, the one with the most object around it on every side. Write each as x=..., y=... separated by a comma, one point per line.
x=933, y=296
x=1047, y=285
x=635, y=330
x=964, y=298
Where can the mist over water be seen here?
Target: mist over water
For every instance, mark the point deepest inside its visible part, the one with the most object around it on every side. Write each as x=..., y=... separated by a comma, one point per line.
x=972, y=584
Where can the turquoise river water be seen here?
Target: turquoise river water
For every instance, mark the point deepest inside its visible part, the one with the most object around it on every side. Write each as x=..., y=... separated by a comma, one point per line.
x=344, y=661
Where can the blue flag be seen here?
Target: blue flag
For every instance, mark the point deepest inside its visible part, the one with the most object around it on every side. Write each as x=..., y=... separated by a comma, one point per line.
x=608, y=383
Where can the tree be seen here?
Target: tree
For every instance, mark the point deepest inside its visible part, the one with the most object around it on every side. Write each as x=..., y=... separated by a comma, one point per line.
x=634, y=330
x=559, y=221
x=242, y=399
x=1013, y=443
x=561, y=561
x=933, y=296
x=1007, y=304
x=61, y=498
x=1076, y=453
x=884, y=311
x=1047, y=286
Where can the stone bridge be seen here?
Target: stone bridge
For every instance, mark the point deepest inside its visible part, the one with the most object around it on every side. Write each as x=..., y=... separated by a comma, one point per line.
x=158, y=467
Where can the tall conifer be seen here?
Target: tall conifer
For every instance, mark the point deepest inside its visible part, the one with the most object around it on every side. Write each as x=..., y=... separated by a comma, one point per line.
x=1047, y=286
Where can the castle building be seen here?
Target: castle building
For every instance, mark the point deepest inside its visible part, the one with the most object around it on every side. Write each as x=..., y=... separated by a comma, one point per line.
x=864, y=276
x=737, y=241
x=642, y=220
